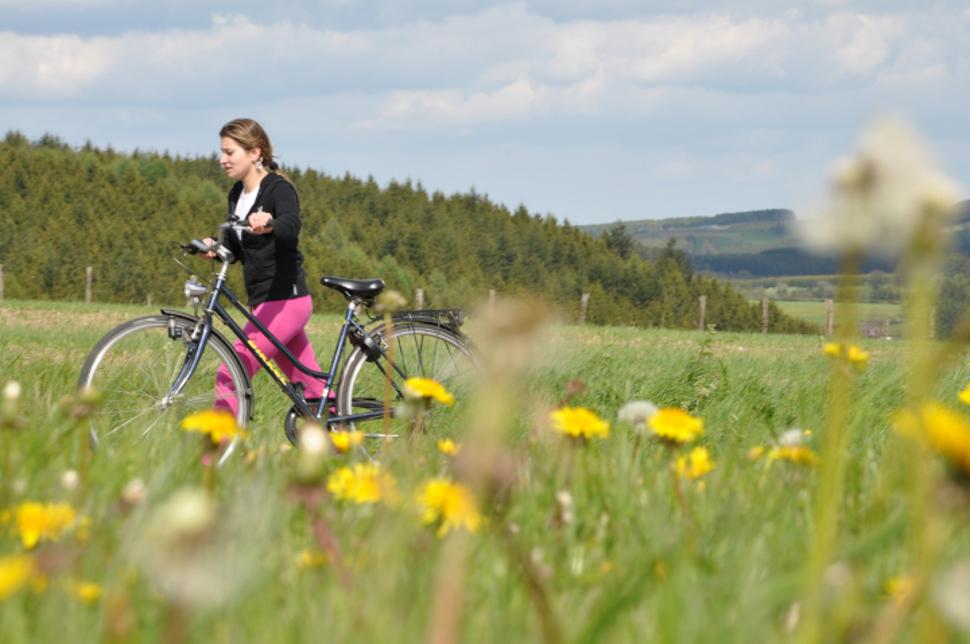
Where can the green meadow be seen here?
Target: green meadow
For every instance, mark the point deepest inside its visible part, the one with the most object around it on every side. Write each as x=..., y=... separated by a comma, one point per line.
x=581, y=541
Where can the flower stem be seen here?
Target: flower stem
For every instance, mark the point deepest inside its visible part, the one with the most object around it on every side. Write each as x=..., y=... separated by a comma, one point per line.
x=6, y=490
x=828, y=496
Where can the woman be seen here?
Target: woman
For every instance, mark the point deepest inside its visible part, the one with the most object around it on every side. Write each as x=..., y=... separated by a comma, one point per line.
x=272, y=263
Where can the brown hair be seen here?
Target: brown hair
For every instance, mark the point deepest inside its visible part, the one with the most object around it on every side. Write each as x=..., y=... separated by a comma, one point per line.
x=250, y=134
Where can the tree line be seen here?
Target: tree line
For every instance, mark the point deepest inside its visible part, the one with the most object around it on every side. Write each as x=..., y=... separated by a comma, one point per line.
x=62, y=209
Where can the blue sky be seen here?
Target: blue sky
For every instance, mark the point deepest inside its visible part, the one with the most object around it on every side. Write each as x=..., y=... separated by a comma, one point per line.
x=592, y=111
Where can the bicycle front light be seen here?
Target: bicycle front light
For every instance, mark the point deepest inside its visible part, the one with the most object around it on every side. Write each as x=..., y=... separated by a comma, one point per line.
x=194, y=289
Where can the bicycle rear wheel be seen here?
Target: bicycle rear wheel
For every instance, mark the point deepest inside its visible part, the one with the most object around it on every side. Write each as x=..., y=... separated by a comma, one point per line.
x=134, y=366
x=416, y=350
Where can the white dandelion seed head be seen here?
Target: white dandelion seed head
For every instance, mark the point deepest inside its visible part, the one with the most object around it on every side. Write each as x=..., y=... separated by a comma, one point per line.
x=134, y=492
x=880, y=196
x=313, y=440
x=70, y=480
x=637, y=413
x=12, y=391
x=952, y=595
x=792, y=438
x=189, y=512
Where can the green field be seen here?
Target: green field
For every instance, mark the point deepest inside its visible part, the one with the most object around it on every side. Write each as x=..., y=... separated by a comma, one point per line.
x=597, y=542
x=878, y=315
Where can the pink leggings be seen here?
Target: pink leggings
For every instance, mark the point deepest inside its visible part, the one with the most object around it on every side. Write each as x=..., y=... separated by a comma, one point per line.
x=286, y=319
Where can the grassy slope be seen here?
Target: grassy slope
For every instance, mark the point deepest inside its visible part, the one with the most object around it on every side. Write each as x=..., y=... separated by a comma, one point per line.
x=629, y=567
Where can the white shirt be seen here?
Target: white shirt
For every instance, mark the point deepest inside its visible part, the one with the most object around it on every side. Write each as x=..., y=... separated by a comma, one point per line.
x=246, y=201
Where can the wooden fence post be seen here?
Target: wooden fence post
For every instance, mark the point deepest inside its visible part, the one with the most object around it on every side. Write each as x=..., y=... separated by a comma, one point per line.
x=89, y=279
x=491, y=299
x=829, y=317
x=419, y=298
x=702, y=301
x=148, y=300
x=583, y=306
x=764, y=314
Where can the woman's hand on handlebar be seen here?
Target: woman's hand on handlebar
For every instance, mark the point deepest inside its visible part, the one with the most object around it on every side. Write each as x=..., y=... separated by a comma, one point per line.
x=208, y=241
x=261, y=222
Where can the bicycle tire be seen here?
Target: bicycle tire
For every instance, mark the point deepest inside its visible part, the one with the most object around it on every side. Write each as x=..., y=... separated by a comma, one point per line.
x=132, y=368
x=419, y=350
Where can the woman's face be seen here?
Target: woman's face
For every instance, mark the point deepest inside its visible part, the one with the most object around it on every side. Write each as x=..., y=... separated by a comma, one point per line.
x=235, y=160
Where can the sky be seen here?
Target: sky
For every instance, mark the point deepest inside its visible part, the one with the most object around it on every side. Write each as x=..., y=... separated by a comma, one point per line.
x=593, y=111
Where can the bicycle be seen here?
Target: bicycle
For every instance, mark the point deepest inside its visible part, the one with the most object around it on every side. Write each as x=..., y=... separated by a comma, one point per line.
x=164, y=366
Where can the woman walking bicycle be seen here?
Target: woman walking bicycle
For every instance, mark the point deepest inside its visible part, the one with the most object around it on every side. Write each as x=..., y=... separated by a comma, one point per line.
x=163, y=366
x=272, y=263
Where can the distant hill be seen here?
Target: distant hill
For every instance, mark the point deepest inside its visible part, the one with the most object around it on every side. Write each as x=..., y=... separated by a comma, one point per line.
x=732, y=232
x=759, y=243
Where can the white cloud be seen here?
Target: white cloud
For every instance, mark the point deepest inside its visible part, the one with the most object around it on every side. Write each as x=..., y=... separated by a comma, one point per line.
x=502, y=63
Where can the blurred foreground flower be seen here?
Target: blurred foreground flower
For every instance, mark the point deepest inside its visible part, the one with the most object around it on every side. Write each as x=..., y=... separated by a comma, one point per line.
x=307, y=559
x=426, y=389
x=880, y=197
x=852, y=353
x=86, y=592
x=9, y=405
x=35, y=521
x=15, y=572
x=450, y=505
x=218, y=424
x=964, y=396
x=944, y=430
x=449, y=447
x=898, y=589
x=637, y=413
x=797, y=454
x=579, y=422
x=343, y=442
x=362, y=483
x=675, y=425
x=696, y=465
x=790, y=447
x=199, y=555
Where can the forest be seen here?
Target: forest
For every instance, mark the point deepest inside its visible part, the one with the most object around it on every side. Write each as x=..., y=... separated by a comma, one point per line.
x=63, y=209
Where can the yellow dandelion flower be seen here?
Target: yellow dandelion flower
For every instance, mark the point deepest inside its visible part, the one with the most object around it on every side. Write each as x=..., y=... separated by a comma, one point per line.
x=964, y=396
x=675, y=425
x=851, y=352
x=449, y=447
x=36, y=521
x=450, y=505
x=86, y=592
x=15, y=572
x=307, y=559
x=427, y=389
x=579, y=422
x=798, y=454
x=218, y=424
x=756, y=452
x=343, y=442
x=898, y=589
x=696, y=465
x=361, y=483
x=945, y=430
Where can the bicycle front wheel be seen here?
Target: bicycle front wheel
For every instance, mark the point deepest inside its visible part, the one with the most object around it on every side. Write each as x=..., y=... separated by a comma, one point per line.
x=133, y=368
x=414, y=350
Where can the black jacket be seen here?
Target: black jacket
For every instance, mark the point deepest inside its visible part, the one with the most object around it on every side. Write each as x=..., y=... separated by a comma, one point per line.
x=272, y=263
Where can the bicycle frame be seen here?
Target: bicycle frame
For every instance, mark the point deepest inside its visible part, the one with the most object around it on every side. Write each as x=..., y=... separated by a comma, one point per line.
x=215, y=308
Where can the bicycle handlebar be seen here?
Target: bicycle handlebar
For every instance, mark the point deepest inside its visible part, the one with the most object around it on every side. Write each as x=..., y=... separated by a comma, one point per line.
x=234, y=224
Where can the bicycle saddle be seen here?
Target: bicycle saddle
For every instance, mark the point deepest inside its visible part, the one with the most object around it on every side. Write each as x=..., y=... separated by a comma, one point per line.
x=351, y=289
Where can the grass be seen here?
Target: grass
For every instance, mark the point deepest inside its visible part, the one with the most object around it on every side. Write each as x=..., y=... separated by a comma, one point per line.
x=603, y=533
